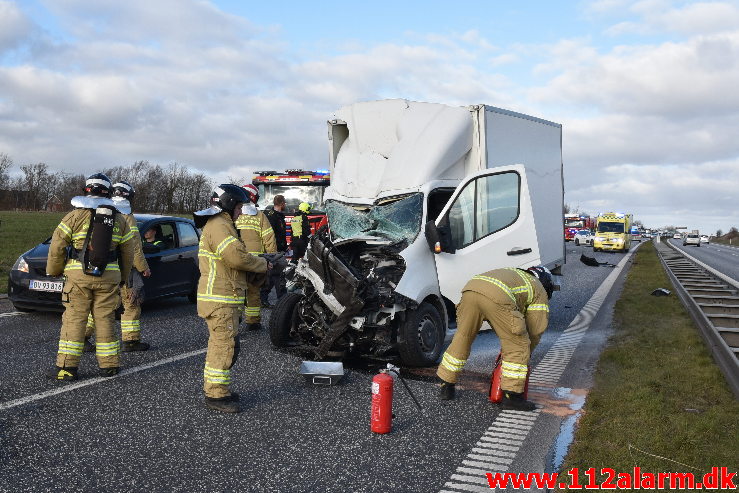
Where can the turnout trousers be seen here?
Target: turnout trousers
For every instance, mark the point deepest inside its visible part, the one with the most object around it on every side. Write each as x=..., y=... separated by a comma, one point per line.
x=223, y=348
x=130, y=319
x=516, y=341
x=82, y=299
x=253, y=310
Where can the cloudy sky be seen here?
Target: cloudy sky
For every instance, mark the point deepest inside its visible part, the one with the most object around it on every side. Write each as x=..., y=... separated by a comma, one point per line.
x=647, y=91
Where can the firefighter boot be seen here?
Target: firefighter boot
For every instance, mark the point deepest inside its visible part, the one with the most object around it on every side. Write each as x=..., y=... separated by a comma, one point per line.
x=89, y=345
x=131, y=346
x=61, y=374
x=109, y=372
x=446, y=392
x=223, y=404
x=515, y=401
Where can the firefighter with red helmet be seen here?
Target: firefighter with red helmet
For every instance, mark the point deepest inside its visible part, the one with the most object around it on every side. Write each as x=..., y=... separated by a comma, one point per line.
x=257, y=234
x=225, y=265
x=131, y=291
x=93, y=247
x=515, y=302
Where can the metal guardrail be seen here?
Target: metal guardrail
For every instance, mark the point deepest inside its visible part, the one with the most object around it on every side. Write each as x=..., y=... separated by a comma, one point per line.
x=712, y=299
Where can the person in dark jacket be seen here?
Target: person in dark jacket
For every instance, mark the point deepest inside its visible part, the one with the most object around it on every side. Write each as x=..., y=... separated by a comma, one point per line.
x=275, y=278
x=300, y=226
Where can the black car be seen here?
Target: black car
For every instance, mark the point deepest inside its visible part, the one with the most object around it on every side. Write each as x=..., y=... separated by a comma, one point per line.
x=172, y=258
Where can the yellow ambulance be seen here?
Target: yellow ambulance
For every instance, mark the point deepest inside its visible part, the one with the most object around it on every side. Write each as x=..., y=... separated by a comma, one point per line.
x=612, y=232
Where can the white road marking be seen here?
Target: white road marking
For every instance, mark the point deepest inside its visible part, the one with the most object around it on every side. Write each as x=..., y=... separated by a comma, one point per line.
x=502, y=441
x=12, y=314
x=68, y=387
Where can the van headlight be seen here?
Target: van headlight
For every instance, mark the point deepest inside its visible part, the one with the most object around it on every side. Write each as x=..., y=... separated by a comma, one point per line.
x=598, y=238
x=21, y=265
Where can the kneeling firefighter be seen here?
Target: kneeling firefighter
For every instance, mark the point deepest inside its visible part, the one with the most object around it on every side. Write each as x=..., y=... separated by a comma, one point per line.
x=515, y=303
x=225, y=265
x=132, y=290
x=256, y=232
x=101, y=256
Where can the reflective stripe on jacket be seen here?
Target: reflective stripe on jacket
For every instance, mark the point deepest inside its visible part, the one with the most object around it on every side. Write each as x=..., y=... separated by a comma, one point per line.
x=223, y=261
x=256, y=233
x=139, y=261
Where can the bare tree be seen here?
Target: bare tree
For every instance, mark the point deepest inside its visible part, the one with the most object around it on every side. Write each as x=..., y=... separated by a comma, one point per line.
x=5, y=164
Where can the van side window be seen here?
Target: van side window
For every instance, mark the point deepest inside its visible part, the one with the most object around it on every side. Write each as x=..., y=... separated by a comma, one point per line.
x=486, y=205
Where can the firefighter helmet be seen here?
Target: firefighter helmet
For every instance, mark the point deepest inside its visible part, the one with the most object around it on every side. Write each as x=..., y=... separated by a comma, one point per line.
x=545, y=278
x=304, y=207
x=123, y=189
x=97, y=185
x=226, y=197
x=252, y=192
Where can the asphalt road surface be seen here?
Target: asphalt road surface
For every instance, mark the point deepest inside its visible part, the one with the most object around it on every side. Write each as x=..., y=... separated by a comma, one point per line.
x=147, y=428
x=724, y=259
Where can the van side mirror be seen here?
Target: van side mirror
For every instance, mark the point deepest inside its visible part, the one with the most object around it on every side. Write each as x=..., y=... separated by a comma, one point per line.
x=439, y=238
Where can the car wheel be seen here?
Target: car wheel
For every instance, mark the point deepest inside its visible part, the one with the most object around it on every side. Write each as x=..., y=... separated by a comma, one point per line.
x=421, y=336
x=577, y=242
x=283, y=320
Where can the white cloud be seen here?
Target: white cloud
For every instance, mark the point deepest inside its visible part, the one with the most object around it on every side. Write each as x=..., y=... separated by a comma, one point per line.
x=14, y=26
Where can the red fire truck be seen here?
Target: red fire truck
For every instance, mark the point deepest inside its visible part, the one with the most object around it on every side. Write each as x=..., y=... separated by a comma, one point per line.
x=576, y=222
x=297, y=186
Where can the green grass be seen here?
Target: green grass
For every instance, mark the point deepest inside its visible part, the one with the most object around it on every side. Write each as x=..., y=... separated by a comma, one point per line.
x=656, y=389
x=20, y=231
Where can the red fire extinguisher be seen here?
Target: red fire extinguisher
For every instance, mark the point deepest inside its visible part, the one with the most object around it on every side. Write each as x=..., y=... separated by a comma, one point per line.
x=381, y=420
x=496, y=394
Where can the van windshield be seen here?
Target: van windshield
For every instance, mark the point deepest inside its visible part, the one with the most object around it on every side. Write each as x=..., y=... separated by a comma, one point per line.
x=610, y=227
x=394, y=218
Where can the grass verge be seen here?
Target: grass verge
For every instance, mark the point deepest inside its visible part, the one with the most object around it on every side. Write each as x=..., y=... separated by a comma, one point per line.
x=20, y=231
x=656, y=389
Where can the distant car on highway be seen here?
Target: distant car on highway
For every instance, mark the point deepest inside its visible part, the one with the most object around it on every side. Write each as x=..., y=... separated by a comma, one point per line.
x=677, y=236
x=583, y=237
x=172, y=258
x=705, y=239
x=692, y=239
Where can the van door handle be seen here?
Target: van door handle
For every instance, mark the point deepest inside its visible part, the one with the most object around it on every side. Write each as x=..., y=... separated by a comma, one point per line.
x=519, y=251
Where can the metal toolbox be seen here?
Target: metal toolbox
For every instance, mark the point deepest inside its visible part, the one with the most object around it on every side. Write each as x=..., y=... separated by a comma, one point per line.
x=322, y=372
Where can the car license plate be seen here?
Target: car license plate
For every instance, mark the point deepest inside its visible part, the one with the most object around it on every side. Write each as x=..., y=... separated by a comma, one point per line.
x=52, y=286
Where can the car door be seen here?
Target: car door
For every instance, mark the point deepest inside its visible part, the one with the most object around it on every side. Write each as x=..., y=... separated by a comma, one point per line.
x=488, y=224
x=188, y=243
x=165, y=264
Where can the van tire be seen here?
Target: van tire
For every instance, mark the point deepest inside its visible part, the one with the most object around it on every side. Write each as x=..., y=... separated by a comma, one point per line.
x=421, y=336
x=283, y=319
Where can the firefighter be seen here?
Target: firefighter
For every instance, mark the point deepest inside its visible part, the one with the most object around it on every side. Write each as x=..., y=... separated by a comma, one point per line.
x=100, y=257
x=276, y=217
x=225, y=266
x=258, y=237
x=131, y=292
x=515, y=303
x=300, y=226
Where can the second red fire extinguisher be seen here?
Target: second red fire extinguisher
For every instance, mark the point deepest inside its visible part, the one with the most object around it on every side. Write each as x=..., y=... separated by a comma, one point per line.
x=496, y=394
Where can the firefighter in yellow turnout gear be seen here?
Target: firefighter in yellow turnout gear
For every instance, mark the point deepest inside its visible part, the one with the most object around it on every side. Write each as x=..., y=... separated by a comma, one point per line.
x=87, y=290
x=258, y=237
x=131, y=298
x=225, y=264
x=515, y=303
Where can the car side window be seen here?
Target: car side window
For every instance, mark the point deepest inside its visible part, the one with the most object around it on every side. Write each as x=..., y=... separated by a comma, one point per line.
x=486, y=205
x=188, y=235
x=168, y=236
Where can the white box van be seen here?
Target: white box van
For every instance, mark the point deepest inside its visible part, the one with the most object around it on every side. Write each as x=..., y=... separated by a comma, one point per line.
x=423, y=196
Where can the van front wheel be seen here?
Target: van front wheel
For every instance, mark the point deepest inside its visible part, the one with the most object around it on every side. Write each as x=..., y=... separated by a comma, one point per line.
x=421, y=336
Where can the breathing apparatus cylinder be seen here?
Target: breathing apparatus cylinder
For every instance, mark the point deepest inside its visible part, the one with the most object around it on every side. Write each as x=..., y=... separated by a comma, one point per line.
x=97, y=254
x=381, y=419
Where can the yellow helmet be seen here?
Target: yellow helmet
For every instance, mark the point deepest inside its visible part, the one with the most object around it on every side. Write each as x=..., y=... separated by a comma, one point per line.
x=304, y=207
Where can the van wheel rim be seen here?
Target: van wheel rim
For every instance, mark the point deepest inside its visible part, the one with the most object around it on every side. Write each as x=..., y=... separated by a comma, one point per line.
x=427, y=335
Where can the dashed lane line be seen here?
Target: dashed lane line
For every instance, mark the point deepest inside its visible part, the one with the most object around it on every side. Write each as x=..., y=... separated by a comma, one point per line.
x=499, y=445
x=12, y=314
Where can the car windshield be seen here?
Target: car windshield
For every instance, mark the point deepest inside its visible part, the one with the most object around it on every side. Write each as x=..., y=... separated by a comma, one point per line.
x=294, y=195
x=610, y=227
x=396, y=218
x=692, y=236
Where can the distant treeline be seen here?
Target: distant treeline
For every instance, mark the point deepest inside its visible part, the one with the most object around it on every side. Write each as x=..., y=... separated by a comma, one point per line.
x=166, y=190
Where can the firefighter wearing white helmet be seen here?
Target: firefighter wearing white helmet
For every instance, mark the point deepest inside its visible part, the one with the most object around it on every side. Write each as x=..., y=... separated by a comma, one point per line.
x=132, y=290
x=93, y=247
x=515, y=302
x=300, y=231
x=224, y=264
x=257, y=234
